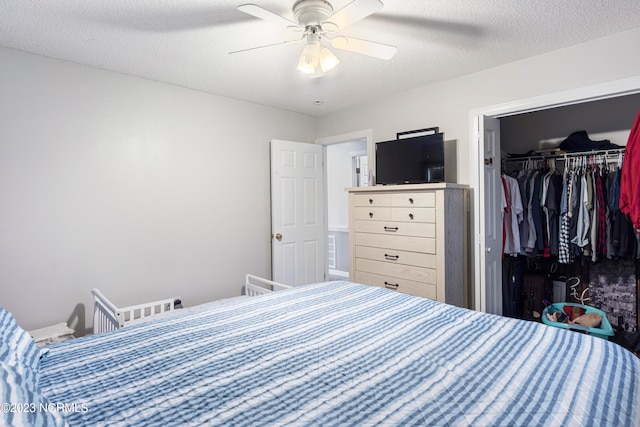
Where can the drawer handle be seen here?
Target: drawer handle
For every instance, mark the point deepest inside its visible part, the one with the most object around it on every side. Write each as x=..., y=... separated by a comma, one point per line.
x=370, y=214
x=393, y=286
x=391, y=229
x=370, y=201
x=392, y=257
x=411, y=200
x=410, y=216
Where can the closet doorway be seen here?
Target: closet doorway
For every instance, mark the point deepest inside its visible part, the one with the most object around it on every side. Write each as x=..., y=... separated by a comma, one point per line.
x=485, y=131
x=347, y=164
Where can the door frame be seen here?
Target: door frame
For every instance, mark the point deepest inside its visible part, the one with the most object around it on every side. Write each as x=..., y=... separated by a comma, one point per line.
x=613, y=89
x=366, y=134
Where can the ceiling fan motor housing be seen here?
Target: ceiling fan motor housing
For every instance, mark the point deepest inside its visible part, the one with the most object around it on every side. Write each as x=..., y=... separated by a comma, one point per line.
x=312, y=12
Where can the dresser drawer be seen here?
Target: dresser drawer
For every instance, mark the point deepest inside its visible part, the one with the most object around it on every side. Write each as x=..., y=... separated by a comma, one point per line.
x=397, y=228
x=372, y=199
x=426, y=199
x=384, y=213
x=413, y=214
x=372, y=213
x=403, y=243
x=395, y=256
x=400, y=271
x=401, y=285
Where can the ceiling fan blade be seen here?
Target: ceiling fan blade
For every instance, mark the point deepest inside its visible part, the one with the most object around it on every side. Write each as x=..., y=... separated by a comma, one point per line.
x=269, y=45
x=352, y=12
x=365, y=47
x=266, y=15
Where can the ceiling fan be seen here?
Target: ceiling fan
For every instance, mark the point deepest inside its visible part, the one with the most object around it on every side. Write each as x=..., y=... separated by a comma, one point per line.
x=316, y=19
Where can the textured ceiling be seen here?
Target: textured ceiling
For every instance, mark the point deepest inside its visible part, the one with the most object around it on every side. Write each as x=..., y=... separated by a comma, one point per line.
x=186, y=42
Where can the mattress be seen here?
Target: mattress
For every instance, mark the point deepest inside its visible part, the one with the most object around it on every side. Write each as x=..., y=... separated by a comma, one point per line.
x=342, y=354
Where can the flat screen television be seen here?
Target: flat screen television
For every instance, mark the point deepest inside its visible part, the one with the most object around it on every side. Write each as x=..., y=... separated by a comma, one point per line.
x=413, y=160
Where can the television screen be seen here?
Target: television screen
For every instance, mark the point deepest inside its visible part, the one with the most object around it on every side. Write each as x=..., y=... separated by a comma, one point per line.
x=413, y=160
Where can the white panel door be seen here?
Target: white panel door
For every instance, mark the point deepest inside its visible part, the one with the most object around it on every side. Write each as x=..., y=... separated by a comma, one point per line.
x=489, y=270
x=297, y=213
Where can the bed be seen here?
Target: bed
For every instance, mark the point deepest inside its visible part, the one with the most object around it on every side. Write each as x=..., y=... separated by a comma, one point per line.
x=338, y=354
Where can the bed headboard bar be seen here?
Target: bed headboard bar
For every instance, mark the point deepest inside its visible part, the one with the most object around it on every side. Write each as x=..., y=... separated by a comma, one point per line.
x=108, y=317
x=255, y=285
x=104, y=313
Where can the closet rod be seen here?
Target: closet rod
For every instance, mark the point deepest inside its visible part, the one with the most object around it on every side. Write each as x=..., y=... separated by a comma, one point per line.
x=615, y=151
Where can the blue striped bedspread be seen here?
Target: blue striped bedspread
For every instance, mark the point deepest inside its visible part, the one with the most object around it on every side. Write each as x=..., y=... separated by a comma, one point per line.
x=342, y=354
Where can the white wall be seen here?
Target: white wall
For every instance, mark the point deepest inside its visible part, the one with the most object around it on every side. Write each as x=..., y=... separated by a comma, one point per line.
x=141, y=189
x=447, y=104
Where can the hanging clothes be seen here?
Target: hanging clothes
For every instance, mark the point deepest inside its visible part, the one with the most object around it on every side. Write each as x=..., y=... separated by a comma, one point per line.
x=574, y=211
x=601, y=235
x=523, y=179
x=532, y=213
x=582, y=223
x=513, y=216
x=564, y=253
x=552, y=209
x=573, y=215
x=630, y=180
x=536, y=212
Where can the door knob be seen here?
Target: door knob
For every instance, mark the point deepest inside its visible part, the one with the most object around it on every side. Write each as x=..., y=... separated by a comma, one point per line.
x=278, y=236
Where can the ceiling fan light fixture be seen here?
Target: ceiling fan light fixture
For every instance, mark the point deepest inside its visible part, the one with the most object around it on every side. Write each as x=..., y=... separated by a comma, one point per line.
x=309, y=59
x=316, y=60
x=328, y=61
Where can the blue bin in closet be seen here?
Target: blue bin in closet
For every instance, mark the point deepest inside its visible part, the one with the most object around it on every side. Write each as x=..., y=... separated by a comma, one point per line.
x=604, y=331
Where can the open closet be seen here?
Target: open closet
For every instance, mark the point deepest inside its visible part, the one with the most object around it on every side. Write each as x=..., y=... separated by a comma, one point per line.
x=563, y=227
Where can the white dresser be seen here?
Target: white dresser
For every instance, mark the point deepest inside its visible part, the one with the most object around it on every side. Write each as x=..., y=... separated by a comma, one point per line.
x=410, y=238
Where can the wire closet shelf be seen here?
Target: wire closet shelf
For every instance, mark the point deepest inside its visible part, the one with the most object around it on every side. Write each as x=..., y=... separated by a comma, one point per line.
x=577, y=158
